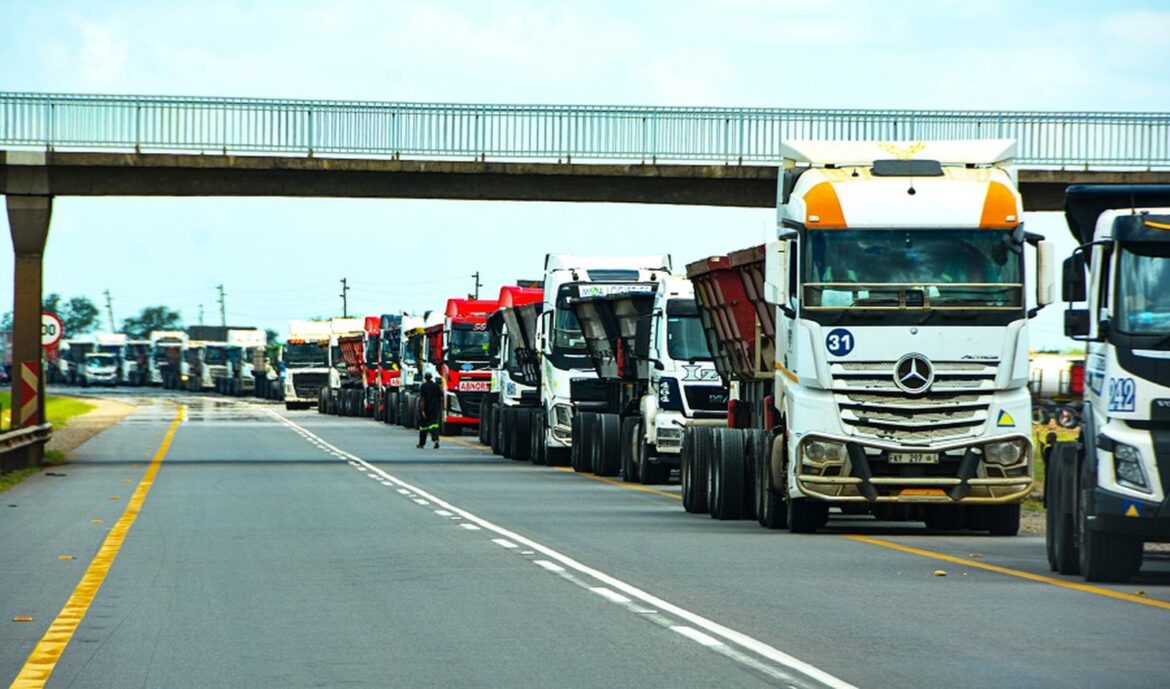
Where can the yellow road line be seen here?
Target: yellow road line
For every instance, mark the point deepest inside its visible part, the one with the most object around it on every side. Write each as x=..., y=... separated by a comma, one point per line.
x=43, y=660
x=620, y=484
x=464, y=443
x=1083, y=588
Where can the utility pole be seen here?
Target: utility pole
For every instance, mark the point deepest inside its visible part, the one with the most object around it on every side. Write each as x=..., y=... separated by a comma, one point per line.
x=478, y=284
x=201, y=314
x=344, y=298
x=222, y=307
x=110, y=310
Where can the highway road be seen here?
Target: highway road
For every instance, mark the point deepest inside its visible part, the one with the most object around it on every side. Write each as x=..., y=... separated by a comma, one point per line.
x=208, y=542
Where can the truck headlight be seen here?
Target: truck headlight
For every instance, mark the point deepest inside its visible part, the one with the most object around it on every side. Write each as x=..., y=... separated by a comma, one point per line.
x=453, y=405
x=821, y=452
x=1005, y=453
x=1128, y=469
x=563, y=415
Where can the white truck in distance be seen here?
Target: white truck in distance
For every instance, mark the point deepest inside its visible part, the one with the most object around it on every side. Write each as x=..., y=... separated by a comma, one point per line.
x=888, y=365
x=305, y=360
x=568, y=381
x=1106, y=493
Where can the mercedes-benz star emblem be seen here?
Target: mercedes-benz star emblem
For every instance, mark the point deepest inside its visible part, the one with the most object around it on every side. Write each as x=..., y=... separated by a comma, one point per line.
x=913, y=374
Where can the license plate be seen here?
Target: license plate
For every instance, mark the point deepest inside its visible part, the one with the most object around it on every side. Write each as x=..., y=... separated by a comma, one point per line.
x=912, y=458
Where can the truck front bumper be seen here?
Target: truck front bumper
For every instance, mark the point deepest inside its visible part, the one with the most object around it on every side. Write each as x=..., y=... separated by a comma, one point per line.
x=1126, y=516
x=959, y=475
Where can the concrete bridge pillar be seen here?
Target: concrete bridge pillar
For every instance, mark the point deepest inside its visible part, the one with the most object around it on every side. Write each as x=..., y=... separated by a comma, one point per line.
x=29, y=209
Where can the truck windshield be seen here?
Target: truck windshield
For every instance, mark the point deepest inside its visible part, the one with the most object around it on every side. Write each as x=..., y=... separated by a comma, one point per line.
x=215, y=356
x=685, y=340
x=389, y=354
x=468, y=341
x=304, y=355
x=372, y=352
x=898, y=269
x=567, y=336
x=100, y=360
x=1143, y=302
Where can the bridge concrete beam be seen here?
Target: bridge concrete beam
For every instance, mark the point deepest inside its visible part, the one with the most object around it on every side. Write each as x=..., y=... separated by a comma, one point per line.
x=746, y=186
x=28, y=220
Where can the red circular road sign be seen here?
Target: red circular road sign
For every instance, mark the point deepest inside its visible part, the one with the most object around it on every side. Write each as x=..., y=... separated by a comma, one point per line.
x=51, y=329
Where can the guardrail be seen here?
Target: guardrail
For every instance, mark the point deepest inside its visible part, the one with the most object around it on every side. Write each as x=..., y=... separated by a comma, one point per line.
x=1080, y=140
x=14, y=445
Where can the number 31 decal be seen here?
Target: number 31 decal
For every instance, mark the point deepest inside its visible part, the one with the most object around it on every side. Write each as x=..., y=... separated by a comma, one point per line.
x=839, y=342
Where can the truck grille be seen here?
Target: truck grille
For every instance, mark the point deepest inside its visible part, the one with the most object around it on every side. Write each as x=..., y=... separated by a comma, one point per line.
x=307, y=385
x=470, y=402
x=956, y=405
x=706, y=397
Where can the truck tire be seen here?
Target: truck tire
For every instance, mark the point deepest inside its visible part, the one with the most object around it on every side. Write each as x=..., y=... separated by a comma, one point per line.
x=806, y=515
x=711, y=475
x=495, y=435
x=728, y=475
x=607, y=445
x=522, y=423
x=507, y=433
x=695, y=478
x=484, y=421
x=650, y=472
x=584, y=427
x=322, y=402
x=771, y=512
x=536, y=432
x=629, y=449
x=1105, y=557
x=1060, y=534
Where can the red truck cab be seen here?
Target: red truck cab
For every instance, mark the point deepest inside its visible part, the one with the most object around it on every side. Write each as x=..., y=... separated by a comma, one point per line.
x=458, y=348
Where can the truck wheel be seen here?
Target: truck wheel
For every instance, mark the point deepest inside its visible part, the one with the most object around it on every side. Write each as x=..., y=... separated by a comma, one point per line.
x=481, y=433
x=522, y=422
x=583, y=441
x=495, y=435
x=629, y=450
x=1106, y=557
x=685, y=458
x=1060, y=536
x=536, y=433
x=771, y=512
x=806, y=515
x=727, y=474
x=1067, y=417
x=508, y=426
x=650, y=473
x=607, y=445
x=289, y=406
x=757, y=443
x=698, y=473
x=1002, y=520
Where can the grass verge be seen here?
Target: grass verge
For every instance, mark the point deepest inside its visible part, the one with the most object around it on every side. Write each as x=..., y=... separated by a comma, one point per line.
x=58, y=410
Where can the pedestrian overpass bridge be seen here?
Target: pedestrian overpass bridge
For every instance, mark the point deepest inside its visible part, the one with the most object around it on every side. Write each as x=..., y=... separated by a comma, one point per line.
x=97, y=145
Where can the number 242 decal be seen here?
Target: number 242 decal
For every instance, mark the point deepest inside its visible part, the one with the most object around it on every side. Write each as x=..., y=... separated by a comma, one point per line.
x=1122, y=394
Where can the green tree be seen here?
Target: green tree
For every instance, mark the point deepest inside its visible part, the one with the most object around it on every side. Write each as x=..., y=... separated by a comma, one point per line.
x=151, y=318
x=80, y=316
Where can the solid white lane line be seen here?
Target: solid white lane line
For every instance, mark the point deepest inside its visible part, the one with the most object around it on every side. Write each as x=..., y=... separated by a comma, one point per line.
x=609, y=594
x=788, y=664
x=503, y=542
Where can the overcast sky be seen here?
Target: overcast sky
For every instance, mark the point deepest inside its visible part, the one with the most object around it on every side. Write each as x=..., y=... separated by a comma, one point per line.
x=281, y=259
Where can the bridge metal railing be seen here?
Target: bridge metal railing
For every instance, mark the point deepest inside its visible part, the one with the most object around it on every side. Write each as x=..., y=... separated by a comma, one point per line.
x=1079, y=140
x=14, y=443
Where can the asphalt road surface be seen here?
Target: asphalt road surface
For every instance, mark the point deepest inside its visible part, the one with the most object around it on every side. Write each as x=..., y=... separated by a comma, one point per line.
x=206, y=542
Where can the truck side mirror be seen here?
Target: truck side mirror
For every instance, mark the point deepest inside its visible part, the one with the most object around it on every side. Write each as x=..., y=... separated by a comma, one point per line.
x=1045, y=273
x=1076, y=323
x=1073, y=278
x=776, y=274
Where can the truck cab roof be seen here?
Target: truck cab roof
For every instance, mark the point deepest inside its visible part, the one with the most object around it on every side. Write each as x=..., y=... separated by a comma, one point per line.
x=1086, y=204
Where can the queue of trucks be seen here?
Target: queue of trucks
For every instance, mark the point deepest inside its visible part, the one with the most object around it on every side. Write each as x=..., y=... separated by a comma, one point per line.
x=871, y=358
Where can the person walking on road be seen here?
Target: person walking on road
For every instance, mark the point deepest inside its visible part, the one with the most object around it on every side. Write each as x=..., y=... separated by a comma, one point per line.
x=430, y=410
